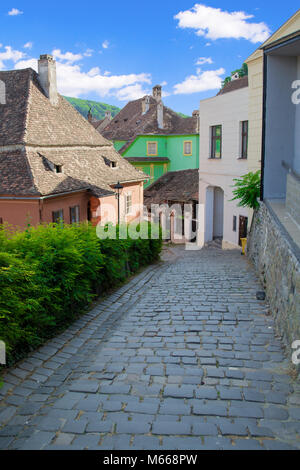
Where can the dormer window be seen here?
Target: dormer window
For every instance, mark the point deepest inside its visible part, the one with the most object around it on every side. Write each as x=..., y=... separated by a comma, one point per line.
x=110, y=163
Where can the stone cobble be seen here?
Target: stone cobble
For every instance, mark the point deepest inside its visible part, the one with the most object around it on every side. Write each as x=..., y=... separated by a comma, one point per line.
x=181, y=357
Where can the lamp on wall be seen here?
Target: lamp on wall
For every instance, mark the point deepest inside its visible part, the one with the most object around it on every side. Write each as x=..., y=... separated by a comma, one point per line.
x=118, y=187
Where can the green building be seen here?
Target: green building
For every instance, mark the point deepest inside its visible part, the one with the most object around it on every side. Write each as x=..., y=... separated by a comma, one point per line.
x=154, y=138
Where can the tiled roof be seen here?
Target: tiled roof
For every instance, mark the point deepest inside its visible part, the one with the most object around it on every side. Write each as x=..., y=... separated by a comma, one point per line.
x=234, y=85
x=176, y=186
x=131, y=121
x=39, y=132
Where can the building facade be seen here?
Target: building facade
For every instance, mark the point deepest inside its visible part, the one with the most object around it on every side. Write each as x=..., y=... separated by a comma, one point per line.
x=153, y=138
x=53, y=164
x=274, y=124
x=223, y=157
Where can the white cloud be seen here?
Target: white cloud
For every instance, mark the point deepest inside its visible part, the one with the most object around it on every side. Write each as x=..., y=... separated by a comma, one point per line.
x=28, y=45
x=10, y=54
x=214, y=23
x=69, y=57
x=204, y=60
x=208, y=80
x=73, y=81
x=15, y=12
x=105, y=44
x=88, y=53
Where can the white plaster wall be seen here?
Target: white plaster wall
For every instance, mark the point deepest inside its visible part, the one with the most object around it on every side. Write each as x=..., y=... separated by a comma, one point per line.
x=227, y=110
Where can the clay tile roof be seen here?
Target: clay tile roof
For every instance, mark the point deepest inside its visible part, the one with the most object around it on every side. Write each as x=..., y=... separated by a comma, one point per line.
x=234, y=85
x=174, y=186
x=35, y=136
x=131, y=121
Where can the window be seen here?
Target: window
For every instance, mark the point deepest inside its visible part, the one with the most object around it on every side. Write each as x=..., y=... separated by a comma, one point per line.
x=58, y=168
x=1, y=220
x=244, y=139
x=57, y=216
x=128, y=203
x=74, y=214
x=234, y=224
x=216, y=142
x=187, y=147
x=151, y=148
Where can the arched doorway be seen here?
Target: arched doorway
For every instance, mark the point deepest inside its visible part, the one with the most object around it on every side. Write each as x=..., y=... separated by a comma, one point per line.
x=214, y=213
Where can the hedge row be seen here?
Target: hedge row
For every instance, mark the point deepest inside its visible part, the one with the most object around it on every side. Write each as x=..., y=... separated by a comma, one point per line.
x=49, y=274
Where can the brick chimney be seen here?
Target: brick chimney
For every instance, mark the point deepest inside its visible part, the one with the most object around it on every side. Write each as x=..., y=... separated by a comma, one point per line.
x=47, y=76
x=156, y=91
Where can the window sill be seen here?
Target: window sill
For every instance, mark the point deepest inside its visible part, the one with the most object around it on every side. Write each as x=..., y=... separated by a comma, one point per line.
x=241, y=158
x=214, y=158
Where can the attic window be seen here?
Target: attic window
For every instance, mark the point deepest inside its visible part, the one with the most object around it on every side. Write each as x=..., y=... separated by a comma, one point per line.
x=58, y=168
x=110, y=163
x=117, y=120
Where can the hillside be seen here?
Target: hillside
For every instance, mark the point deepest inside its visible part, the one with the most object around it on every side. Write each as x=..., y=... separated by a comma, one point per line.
x=97, y=109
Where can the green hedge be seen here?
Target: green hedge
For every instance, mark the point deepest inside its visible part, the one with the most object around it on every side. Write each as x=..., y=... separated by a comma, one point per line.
x=49, y=274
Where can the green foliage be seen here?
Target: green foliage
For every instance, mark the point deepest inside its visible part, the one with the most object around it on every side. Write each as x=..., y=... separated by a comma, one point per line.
x=247, y=190
x=97, y=109
x=51, y=273
x=242, y=72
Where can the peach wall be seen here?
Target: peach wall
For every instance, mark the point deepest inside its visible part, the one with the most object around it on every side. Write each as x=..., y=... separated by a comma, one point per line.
x=106, y=208
x=21, y=212
x=65, y=202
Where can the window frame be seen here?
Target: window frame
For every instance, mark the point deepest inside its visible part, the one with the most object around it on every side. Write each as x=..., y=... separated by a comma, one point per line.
x=128, y=196
x=60, y=218
x=151, y=142
x=191, y=152
x=77, y=214
x=213, y=139
x=244, y=152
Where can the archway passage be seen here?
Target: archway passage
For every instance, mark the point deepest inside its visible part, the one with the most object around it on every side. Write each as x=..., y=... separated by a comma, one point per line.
x=218, y=213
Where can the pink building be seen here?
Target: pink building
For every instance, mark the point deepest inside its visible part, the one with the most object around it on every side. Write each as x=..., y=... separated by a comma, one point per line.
x=53, y=163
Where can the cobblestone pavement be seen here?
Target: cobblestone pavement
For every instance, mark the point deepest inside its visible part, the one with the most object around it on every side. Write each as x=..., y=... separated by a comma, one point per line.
x=181, y=357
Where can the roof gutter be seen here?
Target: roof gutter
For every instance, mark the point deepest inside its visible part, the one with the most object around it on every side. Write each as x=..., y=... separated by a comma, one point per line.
x=41, y=198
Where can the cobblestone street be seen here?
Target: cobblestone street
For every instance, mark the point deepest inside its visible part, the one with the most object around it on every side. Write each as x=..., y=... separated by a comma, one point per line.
x=182, y=357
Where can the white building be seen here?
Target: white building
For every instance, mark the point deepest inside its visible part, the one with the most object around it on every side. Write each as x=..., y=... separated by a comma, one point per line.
x=223, y=157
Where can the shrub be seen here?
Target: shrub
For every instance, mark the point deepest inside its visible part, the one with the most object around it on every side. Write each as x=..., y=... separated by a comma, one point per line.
x=50, y=273
x=247, y=190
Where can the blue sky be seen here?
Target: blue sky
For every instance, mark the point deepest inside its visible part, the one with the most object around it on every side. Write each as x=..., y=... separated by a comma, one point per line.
x=116, y=51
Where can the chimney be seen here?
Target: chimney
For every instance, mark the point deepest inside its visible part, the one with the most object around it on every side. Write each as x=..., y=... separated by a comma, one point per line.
x=90, y=116
x=157, y=92
x=47, y=76
x=196, y=114
x=160, y=115
x=145, y=104
x=108, y=115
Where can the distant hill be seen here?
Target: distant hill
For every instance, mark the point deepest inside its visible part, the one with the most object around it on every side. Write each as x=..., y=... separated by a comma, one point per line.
x=97, y=109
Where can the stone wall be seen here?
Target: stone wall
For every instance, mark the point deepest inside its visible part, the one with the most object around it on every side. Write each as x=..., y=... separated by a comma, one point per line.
x=293, y=197
x=277, y=262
